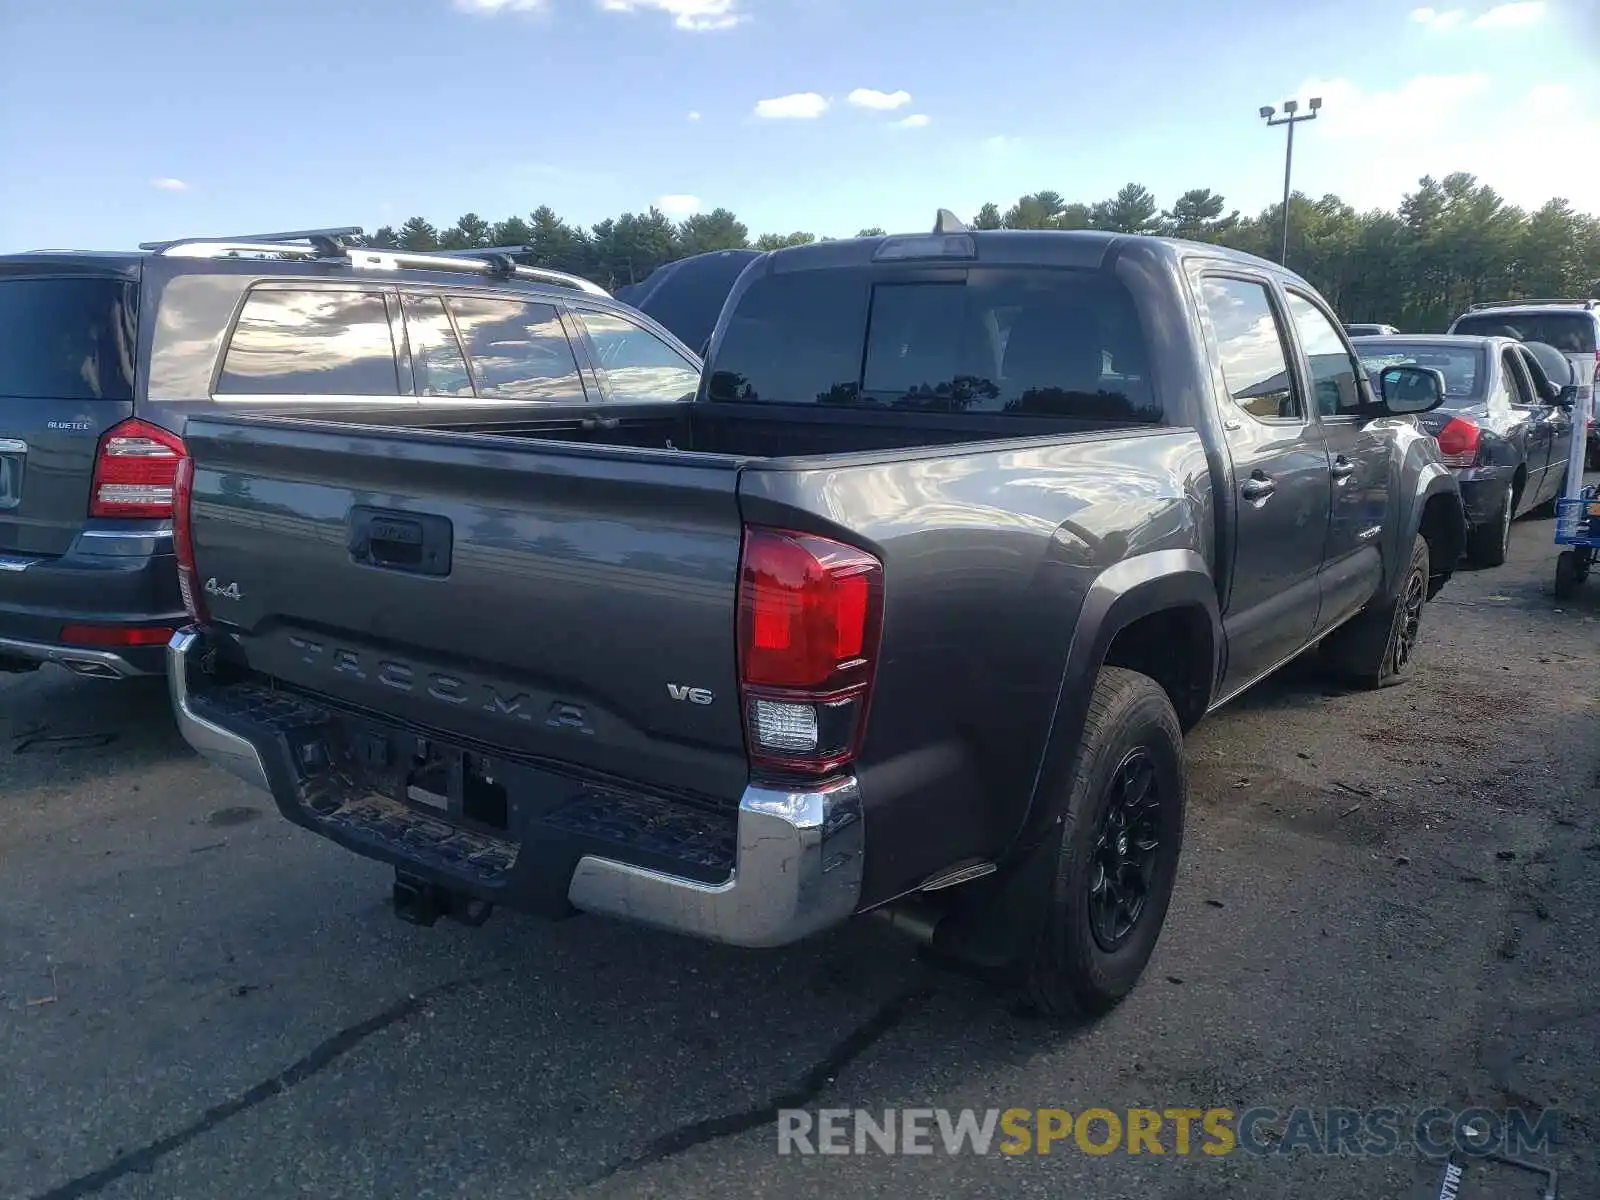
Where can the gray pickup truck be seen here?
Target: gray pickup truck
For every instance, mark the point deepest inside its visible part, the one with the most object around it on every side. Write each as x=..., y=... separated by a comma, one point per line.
x=905, y=610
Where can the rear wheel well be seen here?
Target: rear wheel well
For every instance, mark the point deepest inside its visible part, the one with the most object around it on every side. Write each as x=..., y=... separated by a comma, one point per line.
x=1173, y=647
x=1444, y=529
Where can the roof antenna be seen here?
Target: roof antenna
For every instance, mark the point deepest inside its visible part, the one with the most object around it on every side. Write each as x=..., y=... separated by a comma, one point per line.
x=948, y=222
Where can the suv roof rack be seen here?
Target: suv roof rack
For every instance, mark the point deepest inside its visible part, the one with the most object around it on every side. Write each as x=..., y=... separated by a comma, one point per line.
x=1531, y=302
x=335, y=246
x=320, y=240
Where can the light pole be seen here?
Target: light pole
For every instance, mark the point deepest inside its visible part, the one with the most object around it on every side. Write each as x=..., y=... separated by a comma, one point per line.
x=1292, y=116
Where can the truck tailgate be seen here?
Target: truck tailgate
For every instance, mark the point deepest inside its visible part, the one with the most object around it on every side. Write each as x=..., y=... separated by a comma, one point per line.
x=572, y=605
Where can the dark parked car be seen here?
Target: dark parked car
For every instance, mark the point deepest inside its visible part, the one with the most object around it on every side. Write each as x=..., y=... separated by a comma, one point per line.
x=909, y=605
x=686, y=296
x=103, y=357
x=1505, y=427
x=1570, y=326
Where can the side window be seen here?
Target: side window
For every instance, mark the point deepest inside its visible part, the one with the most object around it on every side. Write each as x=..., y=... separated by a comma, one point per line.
x=1334, y=373
x=1521, y=391
x=518, y=350
x=1254, y=362
x=1536, y=374
x=311, y=342
x=436, y=358
x=1505, y=391
x=640, y=366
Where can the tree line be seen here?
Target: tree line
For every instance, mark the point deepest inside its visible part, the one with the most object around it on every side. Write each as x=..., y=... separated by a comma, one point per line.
x=1451, y=243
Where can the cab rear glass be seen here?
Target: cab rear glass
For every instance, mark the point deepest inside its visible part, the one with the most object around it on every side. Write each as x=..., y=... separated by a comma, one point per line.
x=67, y=339
x=1019, y=341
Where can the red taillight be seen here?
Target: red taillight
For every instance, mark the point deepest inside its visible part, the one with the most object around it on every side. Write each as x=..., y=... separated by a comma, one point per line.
x=115, y=635
x=183, y=539
x=810, y=613
x=1458, y=442
x=134, y=471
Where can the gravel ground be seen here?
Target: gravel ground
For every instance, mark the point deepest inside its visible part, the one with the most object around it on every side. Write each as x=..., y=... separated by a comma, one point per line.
x=1385, y=899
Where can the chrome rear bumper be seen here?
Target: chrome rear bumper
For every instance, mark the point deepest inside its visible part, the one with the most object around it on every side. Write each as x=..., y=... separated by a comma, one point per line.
x=234, y=754
x=797, y=868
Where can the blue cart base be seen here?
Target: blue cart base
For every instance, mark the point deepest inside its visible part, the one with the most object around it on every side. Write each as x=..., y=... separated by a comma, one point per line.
x=1577, y=526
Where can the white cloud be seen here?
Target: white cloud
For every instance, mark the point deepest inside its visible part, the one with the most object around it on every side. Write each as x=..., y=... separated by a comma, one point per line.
x=1553, y=100
x=698, y=16
x=1371, y=147
x=1519, y=14
x=1438, y=21
x=1420, y=105
x=797, y=106
x=170, y=185
x=882, y=101
x=914, y=121
x=1516, y=14
x=490, y=8
x=694, y=116
x=679, y=204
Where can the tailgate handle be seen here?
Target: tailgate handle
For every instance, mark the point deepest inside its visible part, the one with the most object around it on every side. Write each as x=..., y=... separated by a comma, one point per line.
x=418, y=543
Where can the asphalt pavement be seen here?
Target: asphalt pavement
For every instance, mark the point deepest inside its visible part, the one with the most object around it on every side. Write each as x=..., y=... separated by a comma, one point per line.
x=1386, y=900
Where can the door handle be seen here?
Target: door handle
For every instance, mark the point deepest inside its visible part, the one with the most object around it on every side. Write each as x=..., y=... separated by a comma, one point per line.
x=1342, y=468
x=416, y=543
x=1257, y=487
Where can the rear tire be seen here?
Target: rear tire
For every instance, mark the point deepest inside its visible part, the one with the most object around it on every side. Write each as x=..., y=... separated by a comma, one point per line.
x=1117, y=859
x=1489, y=544
x=1378, y=648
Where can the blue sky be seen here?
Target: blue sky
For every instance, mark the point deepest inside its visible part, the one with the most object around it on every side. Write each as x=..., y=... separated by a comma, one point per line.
x=126, y=120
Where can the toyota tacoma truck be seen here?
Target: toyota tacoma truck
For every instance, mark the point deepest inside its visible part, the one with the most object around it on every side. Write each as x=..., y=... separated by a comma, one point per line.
x=905, y=609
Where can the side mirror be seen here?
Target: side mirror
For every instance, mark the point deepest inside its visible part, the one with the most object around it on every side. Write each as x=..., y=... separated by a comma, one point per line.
x=1408, y=390
x=1567, y=396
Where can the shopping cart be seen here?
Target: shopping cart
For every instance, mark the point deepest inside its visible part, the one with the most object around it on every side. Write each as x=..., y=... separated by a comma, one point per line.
x=1578, y=509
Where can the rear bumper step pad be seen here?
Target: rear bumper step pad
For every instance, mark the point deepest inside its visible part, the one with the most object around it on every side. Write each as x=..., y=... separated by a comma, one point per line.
x=787, y=863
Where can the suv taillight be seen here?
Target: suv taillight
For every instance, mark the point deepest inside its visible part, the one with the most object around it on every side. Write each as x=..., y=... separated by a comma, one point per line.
x=134, y=470
x=1458, y=442
x=183, y=538
x=810, y=615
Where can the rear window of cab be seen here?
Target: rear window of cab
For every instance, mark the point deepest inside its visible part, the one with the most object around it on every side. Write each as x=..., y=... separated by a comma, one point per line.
x=1021, y=341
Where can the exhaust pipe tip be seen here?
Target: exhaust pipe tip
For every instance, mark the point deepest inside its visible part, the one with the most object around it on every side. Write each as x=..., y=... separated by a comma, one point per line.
x=92, y=670
x=918, y=921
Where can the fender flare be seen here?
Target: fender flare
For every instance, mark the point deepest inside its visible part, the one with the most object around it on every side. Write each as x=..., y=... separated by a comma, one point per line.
x=1435, y=483
x=1123, y=593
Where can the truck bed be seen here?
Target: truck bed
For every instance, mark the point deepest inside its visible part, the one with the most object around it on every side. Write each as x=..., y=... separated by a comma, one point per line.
x=775, y=431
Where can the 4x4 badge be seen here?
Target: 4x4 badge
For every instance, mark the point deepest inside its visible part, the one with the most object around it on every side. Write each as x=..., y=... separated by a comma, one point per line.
x=231, y=592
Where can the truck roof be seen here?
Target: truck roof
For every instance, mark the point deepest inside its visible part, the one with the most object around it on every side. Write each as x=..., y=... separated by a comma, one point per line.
x=1081, y=248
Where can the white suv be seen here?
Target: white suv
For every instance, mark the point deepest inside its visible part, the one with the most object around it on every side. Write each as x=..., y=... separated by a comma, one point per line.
x=1571, y=326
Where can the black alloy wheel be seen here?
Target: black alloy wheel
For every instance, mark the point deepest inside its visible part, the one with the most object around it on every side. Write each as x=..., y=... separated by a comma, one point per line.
x=1125, y=850
x=1410, y=624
